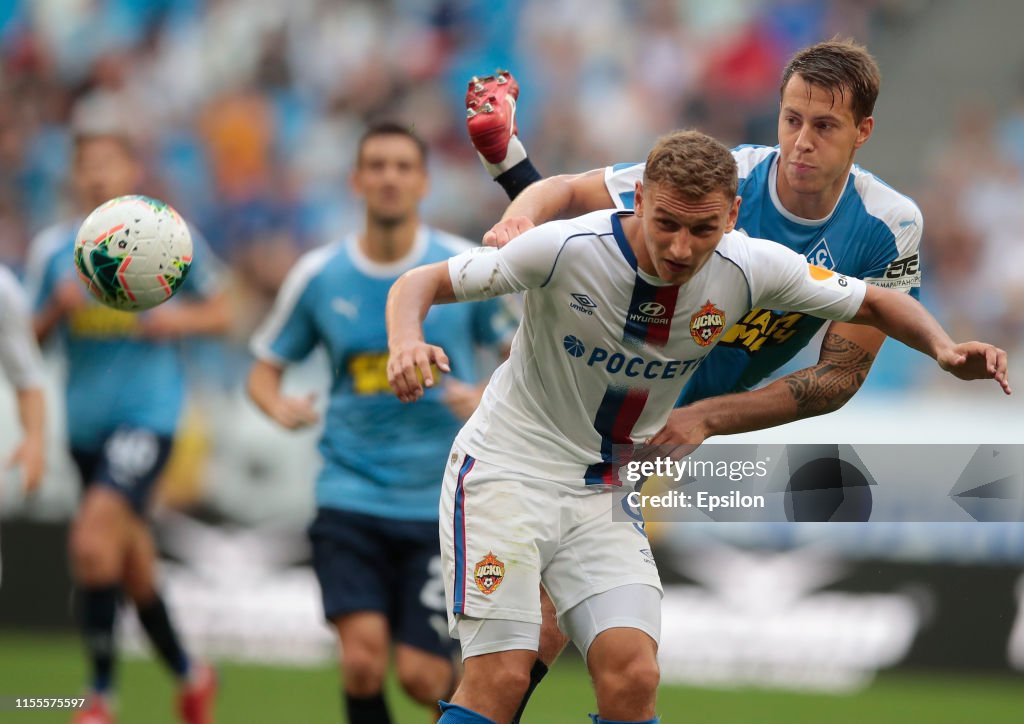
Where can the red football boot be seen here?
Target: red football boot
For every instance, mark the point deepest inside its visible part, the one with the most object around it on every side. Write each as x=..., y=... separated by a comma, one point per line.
x=195, y=702
x=97, y=711
x=491, y=114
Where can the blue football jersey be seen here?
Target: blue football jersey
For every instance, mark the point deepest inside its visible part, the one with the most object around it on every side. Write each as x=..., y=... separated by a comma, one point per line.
x=873, y=233
x=381, y=457
x=114, y=376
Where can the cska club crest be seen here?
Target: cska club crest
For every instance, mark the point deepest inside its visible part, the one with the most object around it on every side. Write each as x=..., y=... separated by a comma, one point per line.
x=489, y=574
x=707, y=324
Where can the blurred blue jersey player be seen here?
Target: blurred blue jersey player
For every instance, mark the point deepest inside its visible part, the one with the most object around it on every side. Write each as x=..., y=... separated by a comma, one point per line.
x=805, y=193
x=375, y=536
x=125, y=388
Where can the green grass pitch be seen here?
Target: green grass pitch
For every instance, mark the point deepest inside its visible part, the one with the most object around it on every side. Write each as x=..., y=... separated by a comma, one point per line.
x=53, y=666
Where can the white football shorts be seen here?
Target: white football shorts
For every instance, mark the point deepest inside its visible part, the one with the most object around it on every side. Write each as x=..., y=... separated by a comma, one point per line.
x=502, y=533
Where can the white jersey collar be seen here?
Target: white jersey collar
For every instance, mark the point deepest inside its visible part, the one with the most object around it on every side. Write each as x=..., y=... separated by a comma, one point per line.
x=390, y=269
x=773, y=192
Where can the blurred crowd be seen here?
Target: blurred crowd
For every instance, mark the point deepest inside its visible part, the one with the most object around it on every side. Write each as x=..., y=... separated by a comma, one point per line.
x=974, y=217
x=249, y=111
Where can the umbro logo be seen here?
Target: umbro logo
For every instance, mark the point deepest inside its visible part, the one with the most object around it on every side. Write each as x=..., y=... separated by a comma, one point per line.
x=583, y=303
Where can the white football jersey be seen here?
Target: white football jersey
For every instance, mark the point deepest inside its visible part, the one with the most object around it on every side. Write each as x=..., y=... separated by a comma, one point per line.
x=19, y=354
x=604, y=349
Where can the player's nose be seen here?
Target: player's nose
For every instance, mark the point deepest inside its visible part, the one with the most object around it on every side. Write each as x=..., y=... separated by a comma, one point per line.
x=804, y=138
x=682, y=247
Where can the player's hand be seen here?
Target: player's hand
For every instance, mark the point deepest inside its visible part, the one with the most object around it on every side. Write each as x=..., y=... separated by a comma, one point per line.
x=162, y=323
x=29, y=456
x=294, y=413
x=504, y=231
x=976, y=361
x=406, y=361
x=684, y=431
x=461, y=398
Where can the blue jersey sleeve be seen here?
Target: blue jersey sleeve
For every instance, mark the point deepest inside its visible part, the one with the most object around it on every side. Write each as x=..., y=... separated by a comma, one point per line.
x=44, y=287
x=620, y=182
x=899, y=267
x=289, y=332
x=47, y=265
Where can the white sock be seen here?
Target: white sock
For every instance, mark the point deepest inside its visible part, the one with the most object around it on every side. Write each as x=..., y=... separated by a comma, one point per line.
x=516, y=152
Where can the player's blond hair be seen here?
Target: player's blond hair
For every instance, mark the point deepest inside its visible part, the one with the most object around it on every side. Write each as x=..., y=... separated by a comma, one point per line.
x=692, y=163
x=840, y=66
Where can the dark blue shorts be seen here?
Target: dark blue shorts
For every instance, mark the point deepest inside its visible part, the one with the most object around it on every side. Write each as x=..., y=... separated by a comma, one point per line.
x=366, y=563
x=129, y=461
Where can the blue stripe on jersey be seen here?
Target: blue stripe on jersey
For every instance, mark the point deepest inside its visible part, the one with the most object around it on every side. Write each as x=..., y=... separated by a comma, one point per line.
x=623, y=242
x=644, y=324
x=620, y=166
x=459, y=537
x=616, y=416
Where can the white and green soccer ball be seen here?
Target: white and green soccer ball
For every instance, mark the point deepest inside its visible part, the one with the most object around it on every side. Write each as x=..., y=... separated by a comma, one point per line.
x=133, y=252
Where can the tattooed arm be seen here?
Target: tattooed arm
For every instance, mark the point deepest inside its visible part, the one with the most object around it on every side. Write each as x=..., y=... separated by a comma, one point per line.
x=842, y=368
x=846, y=357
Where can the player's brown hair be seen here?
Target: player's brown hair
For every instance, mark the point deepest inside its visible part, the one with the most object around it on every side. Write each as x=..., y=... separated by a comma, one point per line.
x=840, y=66
x=391, y=128
x=125, y=141
x=692, y=163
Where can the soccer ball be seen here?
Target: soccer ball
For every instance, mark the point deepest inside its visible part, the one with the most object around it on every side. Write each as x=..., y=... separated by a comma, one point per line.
x=133, y=252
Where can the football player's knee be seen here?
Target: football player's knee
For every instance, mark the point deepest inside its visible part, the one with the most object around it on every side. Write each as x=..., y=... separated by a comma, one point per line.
x=512, y=680
x=139, y=584
x=94, y=557
x=364, y=668
x=637, y=679
x=426, y=684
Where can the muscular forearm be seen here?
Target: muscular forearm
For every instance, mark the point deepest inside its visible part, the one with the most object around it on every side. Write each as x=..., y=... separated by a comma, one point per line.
x=211, y=317
x=264, y=385
x=816, y=390
x=45, y=321
x=547, y=199
x=559, y=197
x=412, y=296
x=905, y=319
x=32, y=413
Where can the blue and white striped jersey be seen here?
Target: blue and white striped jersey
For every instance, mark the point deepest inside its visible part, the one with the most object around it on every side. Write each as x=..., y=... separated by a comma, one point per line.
x=873, y=233
x=380, y=457
x=604, y=349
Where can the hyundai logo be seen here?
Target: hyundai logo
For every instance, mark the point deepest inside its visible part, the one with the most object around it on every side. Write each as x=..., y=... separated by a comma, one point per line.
x=652, y=309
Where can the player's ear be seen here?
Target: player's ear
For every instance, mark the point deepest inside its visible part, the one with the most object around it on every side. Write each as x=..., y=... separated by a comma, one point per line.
x=734, y=214
x=425, y=188
x=864, y=129
x=638, y=200
x=354, y=181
